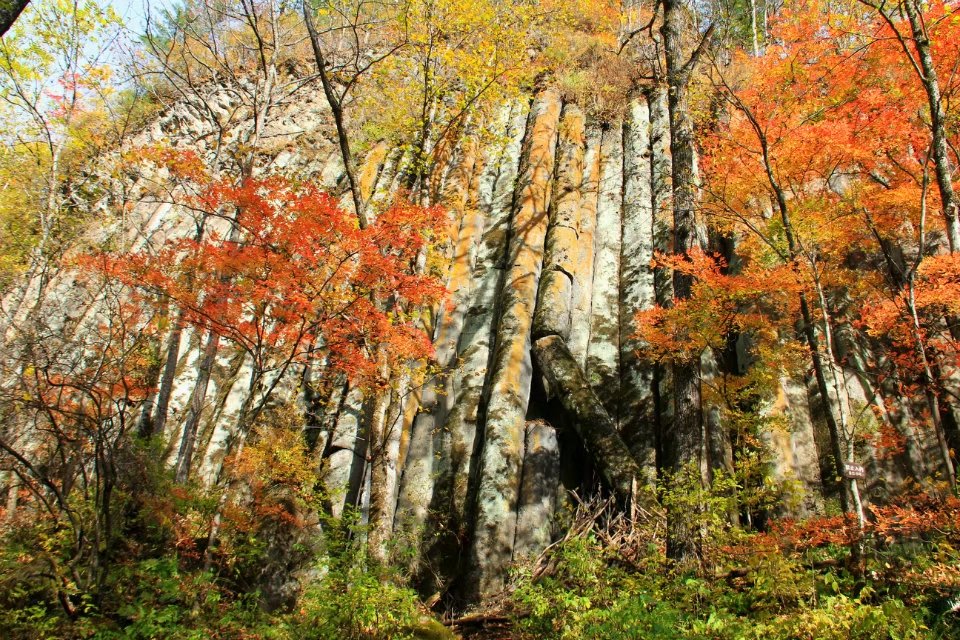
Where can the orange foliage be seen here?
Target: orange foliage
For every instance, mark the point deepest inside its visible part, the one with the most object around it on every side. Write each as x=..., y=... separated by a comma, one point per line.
x=825, y=142
x=720, y=303
x=184, y=164
x=914, y=516
x=815, y=532
x=280, y=475
x=887, y=442
x=87, y=395
x=918, y=516
x=292, y=275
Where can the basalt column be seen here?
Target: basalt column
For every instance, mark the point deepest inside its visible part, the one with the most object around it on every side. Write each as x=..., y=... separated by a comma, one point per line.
x=555, y=297
x=637, y=416
x=504, y=430
x=541, y=458
x=603, y=352
x=486, y=255
x=582, y=293
x=448, y=504
x=538, y=490
x=428, y=458
x=794, y=446
x=551, y=327
x=432, y=505
x=661, y=199
x=345, y=457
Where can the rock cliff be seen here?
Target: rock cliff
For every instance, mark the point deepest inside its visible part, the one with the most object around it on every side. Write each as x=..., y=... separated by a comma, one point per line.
x=540, y=389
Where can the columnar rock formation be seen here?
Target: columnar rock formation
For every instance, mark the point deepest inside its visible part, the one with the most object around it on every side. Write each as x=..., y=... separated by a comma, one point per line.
x=554, y=220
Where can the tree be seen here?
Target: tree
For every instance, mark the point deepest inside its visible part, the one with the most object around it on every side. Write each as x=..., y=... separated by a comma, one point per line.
x=53, y=80
x=461, y=62
x=65, y=402
x=917, y=27
x=341, y=52
x=188, y=62
x=791, y=199
x=292, y=279
x=787, y=167
x=684, y=444
x=432, y=66
x=433, y=71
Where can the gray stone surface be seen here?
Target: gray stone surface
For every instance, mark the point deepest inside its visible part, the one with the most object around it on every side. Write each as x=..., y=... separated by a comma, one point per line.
x=511, y=373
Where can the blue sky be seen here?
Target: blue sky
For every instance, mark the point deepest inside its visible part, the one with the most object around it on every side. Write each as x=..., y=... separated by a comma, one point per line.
x=134, y=12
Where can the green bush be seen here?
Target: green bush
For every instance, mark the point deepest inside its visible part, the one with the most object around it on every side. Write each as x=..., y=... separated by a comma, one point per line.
x=355, y=606
x=591, y=594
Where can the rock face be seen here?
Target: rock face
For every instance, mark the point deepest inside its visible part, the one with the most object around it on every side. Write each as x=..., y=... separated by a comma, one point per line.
x=501, y=458
x=554, y=220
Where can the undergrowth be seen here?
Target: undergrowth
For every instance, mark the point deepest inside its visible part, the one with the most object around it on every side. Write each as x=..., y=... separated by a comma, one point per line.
x=798, y=581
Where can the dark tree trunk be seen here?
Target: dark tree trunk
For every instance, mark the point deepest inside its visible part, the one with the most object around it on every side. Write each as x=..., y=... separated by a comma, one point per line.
x=145, y=421
x=159, y=422
x=9, y=12
x=809, y=331
x=938, y=131
x=336, y=108
x=683, y=442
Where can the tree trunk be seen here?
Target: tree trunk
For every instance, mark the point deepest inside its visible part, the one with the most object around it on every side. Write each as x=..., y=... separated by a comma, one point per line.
x=938, y=132
x=683, y=442
x=315, y=397
x=809, y=332
x=9, y=12
x=928, y=380
x=155, y=369
x=336, y=108
x=13, y=494
x=380, y=521
x=192, y=423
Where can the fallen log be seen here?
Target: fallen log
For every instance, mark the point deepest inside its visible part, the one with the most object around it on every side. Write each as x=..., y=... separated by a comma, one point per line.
x=591, y=421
